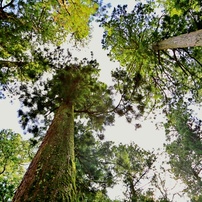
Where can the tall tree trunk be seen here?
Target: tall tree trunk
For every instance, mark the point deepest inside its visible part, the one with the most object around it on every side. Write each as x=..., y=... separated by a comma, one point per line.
x=51, y=174
x=182, y=41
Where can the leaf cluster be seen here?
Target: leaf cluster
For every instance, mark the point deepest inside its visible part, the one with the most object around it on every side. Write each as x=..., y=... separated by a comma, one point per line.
x=93, y=157
x=135, y=94
x=184, y=148
x=160, y=78
x=45, y=21
x=15, y=154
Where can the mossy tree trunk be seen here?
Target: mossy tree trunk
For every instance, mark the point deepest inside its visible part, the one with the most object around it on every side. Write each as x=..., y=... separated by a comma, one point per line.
x=51, y=174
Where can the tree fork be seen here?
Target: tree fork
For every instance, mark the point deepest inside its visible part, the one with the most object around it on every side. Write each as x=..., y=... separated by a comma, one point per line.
x=52, y=173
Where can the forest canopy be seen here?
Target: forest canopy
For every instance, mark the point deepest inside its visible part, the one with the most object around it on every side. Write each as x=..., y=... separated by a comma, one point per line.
x=66, y=107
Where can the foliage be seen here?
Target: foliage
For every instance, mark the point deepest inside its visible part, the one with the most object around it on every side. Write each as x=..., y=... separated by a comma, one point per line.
x=44, y=21
x=184, y=148
x=196, y=199
x=27, y=25
x=158, y=78
x=133, y=165
x=15, y=154
x=92, y=99
x=93, y=161
x=183, y=7
x=132, y=89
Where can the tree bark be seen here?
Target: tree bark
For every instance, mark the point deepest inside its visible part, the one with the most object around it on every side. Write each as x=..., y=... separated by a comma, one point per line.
x=182, y=41
x=51, y=174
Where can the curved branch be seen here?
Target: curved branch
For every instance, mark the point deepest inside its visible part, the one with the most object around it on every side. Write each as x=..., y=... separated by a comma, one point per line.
x=191, y=56
x=7, y=5
x=4, y=168
x=180, y=64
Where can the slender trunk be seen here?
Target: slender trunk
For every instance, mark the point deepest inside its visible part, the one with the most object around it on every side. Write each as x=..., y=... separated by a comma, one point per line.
x=133, y=193
x=51, y=174
x=182, y=41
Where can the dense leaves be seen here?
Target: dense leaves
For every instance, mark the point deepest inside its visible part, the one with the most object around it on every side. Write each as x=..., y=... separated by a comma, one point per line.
x=190, y=9
x=14, y=156
x=158, y=76
x=93, y=161
x=147, y=80
x=44, y=21
x=27, y=25
x=184, y=148
x=71, y=81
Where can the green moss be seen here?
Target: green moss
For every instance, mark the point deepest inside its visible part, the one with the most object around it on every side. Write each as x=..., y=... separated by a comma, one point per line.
x=54, y=174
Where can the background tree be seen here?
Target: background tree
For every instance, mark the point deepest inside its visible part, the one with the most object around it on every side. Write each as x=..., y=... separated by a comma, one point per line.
x=157, y=76
x=163, y=79
x=27, y=25
x=93, y=162
x=15, y=154
x=182, y=8
x=184, y=148
x=133, y=165
x=44, y=21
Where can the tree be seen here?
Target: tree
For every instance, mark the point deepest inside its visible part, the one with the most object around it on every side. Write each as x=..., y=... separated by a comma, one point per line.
x=159, y=78
x=91, y=181
x=183, y=9
x=133, y=165
x=15, y=154
x=93, y=164
x=45, y=21
x=73, y=89
x=27, y=25
x=184, y=148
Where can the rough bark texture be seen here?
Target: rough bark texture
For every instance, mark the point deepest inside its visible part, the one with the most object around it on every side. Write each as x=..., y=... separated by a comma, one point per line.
x=51, y=174
x=183, y=41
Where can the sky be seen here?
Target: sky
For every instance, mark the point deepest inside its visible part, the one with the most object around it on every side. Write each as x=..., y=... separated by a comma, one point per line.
x=146, y=137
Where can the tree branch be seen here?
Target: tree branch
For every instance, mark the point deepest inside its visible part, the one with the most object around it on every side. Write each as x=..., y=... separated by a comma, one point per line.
x=191, y=56
x=64, y=5
x=9, y=63
x=7, y=5
x=4, y=168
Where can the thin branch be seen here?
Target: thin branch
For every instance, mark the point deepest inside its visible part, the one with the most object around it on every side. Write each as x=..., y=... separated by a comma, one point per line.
x=7, y=5
x=191, y=56
x=9, y=63
x=180, y=64
x=4, y=168
x=64, y=5
x=113, y=110
x=146, y=171
x=1, y=4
